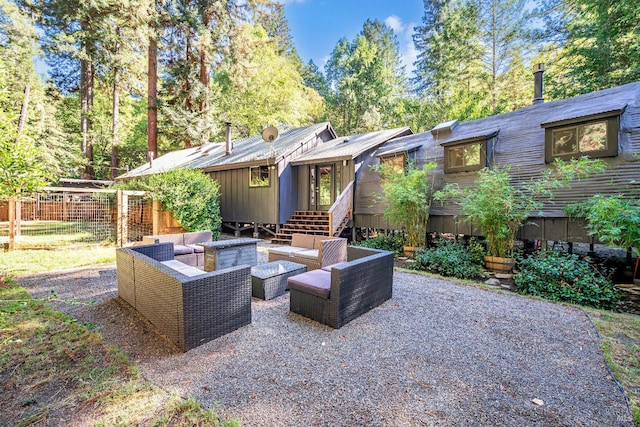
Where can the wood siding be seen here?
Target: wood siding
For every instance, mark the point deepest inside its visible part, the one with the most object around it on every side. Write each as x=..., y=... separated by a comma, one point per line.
x=244, y=204
x=264, y=205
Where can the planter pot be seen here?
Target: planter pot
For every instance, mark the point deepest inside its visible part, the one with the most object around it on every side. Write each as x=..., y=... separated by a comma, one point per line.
x=409, y=251
x=498, y=264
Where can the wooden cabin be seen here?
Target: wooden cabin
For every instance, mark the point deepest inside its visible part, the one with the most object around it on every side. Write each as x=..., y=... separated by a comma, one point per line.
x=327, y=177
x=603, y=124
x=258, y=187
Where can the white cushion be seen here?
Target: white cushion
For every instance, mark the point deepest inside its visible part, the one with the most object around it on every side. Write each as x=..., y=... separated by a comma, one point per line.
x=183, y=268
x=308, y=254
x=286, y=250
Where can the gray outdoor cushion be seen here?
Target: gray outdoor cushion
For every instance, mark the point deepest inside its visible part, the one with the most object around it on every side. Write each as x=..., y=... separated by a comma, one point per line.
x=182, y=250
x=199, y=249
x=183, y=268
x=193, y=237
x=311, y=254
x=314, y=282
x=286, y=250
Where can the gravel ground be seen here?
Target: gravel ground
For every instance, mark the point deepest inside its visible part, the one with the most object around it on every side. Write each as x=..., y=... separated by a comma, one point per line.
x=437, y=354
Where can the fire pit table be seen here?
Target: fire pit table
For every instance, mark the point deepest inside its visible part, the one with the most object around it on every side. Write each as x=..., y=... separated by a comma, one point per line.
x=270, y=280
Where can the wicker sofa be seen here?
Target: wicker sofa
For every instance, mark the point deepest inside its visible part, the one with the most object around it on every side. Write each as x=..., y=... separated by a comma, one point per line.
x=186, y=246
x=313, y=251
x=337, y=294
x=186, y=304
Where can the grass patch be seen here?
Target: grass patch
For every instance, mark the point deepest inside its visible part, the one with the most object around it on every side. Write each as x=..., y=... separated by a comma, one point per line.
x=53, y=234
x=40, y=260
x=52, y=368
x=620, y=334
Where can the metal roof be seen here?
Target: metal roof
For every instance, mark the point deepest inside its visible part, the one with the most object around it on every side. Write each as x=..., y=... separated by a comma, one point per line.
x=349, y=147
x=244, y=150
x=405, y=144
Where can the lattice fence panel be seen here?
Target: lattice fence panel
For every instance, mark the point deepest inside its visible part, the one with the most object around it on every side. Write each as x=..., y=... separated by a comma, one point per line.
x=52, y=219
x=139, y=218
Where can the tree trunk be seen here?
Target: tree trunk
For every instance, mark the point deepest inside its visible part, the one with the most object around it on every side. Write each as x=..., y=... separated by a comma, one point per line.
x=23, y=110
x=204, y=104
x=115, y=119
x=204, y=80
x=152, y=96
x=86, y=103
x=188, y=102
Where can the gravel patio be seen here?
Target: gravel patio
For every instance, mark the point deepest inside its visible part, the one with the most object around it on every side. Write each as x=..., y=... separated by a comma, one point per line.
x=437, y=354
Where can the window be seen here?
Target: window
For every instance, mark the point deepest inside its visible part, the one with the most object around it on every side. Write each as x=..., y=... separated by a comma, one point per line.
x=471, y=151
x=259, y=176
x=466, y=155
x=594, y=138
x=396, y=163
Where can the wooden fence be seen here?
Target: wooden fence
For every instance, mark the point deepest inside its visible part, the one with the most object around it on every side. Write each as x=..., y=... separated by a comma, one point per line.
x=99, y=215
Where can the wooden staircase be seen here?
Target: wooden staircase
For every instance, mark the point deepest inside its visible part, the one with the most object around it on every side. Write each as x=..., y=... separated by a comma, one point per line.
x=319, y=223
x=303, y=222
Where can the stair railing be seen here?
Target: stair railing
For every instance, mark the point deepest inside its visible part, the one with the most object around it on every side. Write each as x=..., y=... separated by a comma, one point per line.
x=341, y=209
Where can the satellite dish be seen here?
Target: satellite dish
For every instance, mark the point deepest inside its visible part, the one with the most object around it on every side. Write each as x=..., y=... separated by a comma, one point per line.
x=270, y=134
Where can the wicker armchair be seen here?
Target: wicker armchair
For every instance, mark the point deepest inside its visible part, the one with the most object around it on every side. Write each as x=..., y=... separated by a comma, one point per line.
x=313, y=251
x=188, y=307
x=338, y=294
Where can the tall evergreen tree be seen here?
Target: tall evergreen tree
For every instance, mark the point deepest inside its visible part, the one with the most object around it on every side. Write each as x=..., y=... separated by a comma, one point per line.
x=365, y=80
x=260, y=87
x=597, y=43
x=449, y=74
x=502, y=25
x=312, y=77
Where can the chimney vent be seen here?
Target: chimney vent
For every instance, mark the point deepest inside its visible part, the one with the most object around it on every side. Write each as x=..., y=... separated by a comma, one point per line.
x=538, y=83
x=228, y=138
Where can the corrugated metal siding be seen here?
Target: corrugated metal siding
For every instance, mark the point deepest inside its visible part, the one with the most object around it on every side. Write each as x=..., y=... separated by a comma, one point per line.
x=521, y=144
x=368, y=187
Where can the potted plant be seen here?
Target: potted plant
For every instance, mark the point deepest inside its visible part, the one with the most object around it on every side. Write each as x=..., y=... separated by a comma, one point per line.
x=407, y=196
x=500, y=208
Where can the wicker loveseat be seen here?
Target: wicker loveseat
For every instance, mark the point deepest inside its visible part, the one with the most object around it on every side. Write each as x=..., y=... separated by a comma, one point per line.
x=186, y=246
x=337, y=294
x=313, y=251
x=186, y=304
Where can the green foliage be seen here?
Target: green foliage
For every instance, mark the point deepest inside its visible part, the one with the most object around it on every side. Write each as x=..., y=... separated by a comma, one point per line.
x=613, y=219
x=408, y=199
x=451, y=259
x=393, y=243
x=565, y=278
x=600, y=48
x=499, y=208
x=365, y=80
x=259, y=86
x=191, y=196
x=20, y=168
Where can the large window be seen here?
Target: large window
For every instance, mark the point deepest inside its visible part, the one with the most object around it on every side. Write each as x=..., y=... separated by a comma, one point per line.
x=259, y=176
x=594, y=138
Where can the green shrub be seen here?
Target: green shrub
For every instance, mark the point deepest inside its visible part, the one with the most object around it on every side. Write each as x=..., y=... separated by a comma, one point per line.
x=391, y=243
x=190, y=195
x=451, y=259
x=567, y=278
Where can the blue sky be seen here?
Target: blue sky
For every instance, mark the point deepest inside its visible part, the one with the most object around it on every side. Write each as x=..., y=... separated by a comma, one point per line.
x=317, y=25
